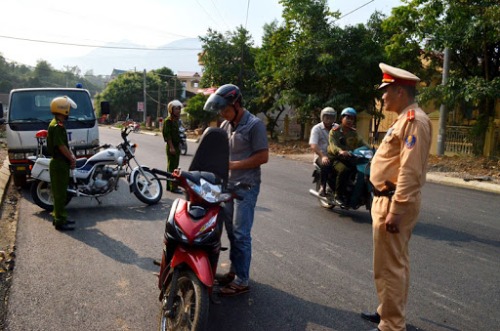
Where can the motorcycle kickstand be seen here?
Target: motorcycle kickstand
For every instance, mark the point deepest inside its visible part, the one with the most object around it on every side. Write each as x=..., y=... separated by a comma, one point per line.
x=171, y=294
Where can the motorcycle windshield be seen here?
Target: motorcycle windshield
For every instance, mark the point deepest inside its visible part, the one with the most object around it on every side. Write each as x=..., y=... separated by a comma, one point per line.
x=212, y=154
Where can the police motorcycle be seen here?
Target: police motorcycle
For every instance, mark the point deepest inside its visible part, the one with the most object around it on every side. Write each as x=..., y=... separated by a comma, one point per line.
x=182, y=133
x=359, y=191
x=192, y=237
x=97, y=176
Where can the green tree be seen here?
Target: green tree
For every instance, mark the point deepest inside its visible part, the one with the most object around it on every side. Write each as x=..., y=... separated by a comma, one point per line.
x=197, y=116
x=301, y=50
x=269, y=64
x=422, y=29
x=165, y=89
x=230, y=58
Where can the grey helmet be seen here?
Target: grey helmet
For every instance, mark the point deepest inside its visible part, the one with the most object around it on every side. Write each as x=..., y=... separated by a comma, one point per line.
x=329, y=111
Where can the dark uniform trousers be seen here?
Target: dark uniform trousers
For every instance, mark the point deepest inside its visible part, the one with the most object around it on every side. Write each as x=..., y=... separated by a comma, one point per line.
x=59, y=180
x=172, y=164
x=391, y=263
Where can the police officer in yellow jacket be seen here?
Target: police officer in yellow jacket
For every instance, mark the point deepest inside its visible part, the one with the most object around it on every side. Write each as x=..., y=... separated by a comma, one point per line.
x=62, y=160
x=397, y=173
x=343, y=140
x=171, y=136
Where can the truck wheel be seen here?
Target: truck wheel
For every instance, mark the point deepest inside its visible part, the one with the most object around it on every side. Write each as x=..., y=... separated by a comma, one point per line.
x=19, y=180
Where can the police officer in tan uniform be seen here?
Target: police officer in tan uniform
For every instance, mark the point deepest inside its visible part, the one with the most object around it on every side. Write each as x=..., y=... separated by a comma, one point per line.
x=397, y=173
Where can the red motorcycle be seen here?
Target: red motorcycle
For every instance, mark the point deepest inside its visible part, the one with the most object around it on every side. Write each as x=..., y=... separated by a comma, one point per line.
x=192, y=238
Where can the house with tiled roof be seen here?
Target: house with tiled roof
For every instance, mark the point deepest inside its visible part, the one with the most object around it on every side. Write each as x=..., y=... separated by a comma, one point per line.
x=190, y=81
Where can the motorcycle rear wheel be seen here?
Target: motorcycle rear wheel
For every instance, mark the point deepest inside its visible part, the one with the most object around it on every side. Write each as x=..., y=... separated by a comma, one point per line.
x=42, y=195
x=323, y=202
x=149, y=194
x=191, y=303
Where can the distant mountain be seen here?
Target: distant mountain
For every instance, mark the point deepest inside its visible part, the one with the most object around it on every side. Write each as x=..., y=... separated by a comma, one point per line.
x=179, y=55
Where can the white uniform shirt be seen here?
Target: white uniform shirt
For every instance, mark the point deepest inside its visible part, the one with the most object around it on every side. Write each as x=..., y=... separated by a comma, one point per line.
x=319, y=136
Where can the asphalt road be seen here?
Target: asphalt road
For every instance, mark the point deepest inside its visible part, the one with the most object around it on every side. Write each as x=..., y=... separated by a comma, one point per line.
x=311, y=267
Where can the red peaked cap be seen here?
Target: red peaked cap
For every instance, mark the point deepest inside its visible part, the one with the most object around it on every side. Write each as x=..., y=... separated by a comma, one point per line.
x=393, y=75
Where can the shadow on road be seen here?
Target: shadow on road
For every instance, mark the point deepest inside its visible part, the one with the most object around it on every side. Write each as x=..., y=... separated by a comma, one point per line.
x=280, y=311
x=90, y=233
x=358, y=216
x=438, y=232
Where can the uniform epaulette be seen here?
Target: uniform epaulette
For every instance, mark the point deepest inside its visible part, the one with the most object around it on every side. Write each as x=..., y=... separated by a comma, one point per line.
x=410, y=115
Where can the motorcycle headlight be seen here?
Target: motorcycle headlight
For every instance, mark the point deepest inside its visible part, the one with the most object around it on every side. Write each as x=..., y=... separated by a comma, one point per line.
x=206, y=230
x=367, y=153
x=209, y=192
x=180, y=233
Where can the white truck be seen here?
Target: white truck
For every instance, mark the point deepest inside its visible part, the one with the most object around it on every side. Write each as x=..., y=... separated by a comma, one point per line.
x=29, y=111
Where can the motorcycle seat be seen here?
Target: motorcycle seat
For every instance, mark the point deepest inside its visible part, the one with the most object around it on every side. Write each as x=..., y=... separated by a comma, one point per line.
x=195, y=177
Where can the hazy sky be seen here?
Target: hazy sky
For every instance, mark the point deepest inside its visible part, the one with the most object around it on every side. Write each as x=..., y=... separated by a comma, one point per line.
x=150, y=23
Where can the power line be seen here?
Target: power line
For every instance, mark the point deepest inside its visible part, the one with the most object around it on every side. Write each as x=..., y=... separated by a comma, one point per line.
x=99, y=46
x=222, y=17
x=354, y=10
x=206, y=12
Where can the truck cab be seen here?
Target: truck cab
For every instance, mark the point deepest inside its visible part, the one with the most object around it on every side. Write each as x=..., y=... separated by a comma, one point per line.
x=29, y=112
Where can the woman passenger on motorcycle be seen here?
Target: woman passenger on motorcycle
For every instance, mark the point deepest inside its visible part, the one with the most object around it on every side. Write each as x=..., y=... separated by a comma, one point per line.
x=342, y=141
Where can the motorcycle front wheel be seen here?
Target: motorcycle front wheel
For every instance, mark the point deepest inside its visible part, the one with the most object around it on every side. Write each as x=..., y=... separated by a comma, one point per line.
x=190, y=307
x=147, y=193
x=42, y=195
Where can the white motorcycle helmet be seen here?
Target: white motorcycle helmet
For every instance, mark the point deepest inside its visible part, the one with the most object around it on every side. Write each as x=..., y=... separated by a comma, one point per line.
x=329, y=111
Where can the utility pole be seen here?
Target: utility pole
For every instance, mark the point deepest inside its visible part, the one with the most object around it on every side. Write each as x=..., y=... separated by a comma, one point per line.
x=175, y=87
x=159, y=105
x=442, y=110
x=144, y=99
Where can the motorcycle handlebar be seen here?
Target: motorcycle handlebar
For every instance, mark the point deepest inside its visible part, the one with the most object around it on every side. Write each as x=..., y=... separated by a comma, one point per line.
x=238, y=189
x=166, y=174
x=102, y=146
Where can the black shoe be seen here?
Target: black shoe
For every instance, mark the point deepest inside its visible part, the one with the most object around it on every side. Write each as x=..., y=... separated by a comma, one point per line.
x=224, y=279
x=372, y=317
x=339, y=201
x=65, y=227
x=177, y=191
x=70, y=222
x=321, y=192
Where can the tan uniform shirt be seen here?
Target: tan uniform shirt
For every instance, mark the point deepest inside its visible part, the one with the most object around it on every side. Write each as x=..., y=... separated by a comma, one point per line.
x=402, y=157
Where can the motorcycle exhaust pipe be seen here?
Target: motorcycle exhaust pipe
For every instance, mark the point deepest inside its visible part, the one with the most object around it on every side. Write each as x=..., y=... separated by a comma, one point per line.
x=78, y=193
x=314, y=193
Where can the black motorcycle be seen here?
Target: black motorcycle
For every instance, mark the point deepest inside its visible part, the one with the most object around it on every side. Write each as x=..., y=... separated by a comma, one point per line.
x=359, y=191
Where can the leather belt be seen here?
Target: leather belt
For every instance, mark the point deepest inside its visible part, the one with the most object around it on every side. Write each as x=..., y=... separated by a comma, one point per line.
x=383, y=193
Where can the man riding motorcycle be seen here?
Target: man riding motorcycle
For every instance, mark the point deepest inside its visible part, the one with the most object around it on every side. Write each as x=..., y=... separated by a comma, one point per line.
x=319, y=143
x=342, y=141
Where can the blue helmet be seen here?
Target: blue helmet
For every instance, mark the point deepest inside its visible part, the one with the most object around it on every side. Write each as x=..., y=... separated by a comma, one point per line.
x=348, y=111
